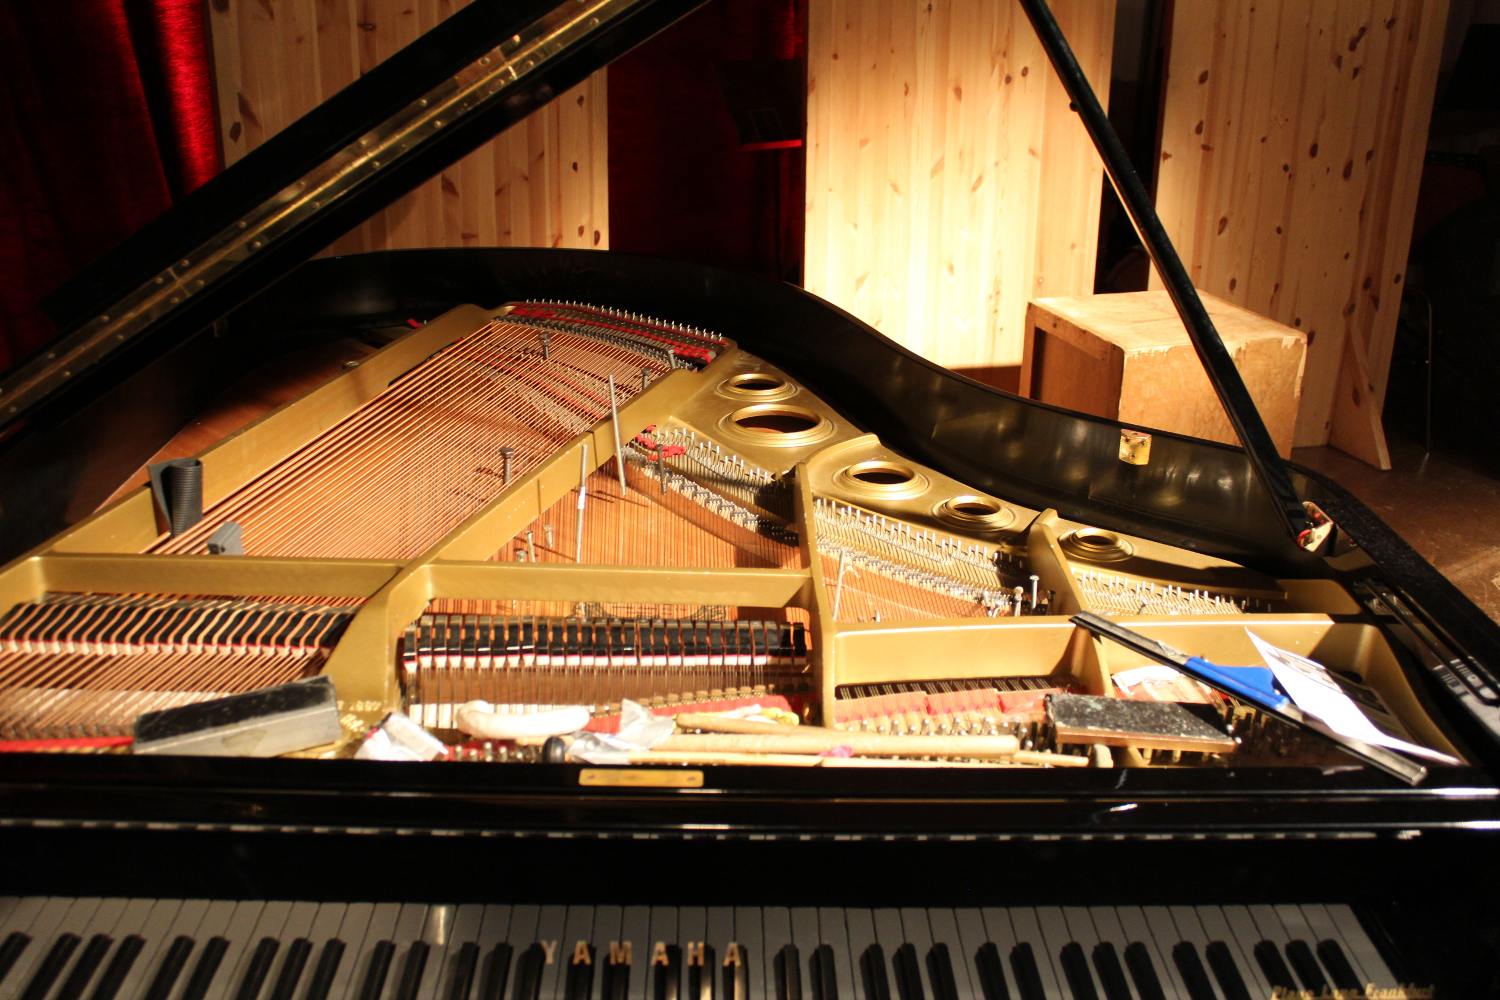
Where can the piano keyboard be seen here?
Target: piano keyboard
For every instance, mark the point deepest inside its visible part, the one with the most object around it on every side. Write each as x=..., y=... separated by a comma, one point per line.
x=170, y=949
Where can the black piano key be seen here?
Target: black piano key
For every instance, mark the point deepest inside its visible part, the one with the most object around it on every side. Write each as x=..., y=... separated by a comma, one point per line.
x=411, y=971
x=1143, y=972
x=788, y=965
x=51, y=967
x=908, y=974
x=1194, y=975
x=1306, y=966
x=465, y=964
x=497, y=972
x=170, y=968
x=940, y=972
x=528, y=982
x=203, y=973
x=580, y=980
x=872, y=973
x=326, y=969
x=1111, y=972
x=83, y=970
x=991, y=973
x=380, y=966
x=10, y=951
x=1226, y=971
x=1028, y=976
x=1075, y=966
x=118, y=968
x=667, y=978
x=1337, y=963
x=291, y=969
x=258, y=969
x=1273, y=967
x=825, y=980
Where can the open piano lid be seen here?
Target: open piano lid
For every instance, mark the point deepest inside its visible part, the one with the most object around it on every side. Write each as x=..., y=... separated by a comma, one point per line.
x=477, y=73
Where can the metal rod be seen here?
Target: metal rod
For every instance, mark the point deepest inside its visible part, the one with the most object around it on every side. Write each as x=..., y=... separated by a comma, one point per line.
x=583, y=489
x=661, y=463
x=838, y=585
x=1217, y=362
x=530, y=546
x=614, y=417
x=506, y=454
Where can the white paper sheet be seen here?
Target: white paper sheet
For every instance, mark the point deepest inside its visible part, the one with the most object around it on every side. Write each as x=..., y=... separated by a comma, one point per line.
x=1313, y=690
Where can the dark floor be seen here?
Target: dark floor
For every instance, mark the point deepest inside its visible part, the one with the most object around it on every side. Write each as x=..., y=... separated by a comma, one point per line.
x=1443, y=506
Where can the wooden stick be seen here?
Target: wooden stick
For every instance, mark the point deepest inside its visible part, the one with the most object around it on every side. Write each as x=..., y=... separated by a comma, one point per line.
x=798, y=760
x=811, y=740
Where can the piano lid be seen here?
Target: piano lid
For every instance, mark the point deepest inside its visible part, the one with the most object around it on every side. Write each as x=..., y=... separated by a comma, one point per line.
x=474, y=75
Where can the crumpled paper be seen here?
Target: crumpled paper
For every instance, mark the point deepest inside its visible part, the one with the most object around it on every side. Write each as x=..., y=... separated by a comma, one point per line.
x=639, y=730
x=399, y=738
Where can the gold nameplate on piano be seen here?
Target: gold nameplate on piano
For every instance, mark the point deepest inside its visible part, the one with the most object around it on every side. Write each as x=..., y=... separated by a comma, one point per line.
x=640, y=777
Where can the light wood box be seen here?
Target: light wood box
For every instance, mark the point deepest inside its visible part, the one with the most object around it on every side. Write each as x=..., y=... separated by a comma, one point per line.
x=1127, y=357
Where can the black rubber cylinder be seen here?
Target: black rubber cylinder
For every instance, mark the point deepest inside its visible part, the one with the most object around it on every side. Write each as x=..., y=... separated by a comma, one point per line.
x=555, y=751
x=182, y=480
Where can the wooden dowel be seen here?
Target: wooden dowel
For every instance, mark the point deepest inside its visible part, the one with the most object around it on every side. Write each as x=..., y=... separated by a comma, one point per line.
x=808, y=739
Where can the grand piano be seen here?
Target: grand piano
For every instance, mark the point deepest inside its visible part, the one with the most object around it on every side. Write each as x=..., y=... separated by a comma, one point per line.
x=572, y=480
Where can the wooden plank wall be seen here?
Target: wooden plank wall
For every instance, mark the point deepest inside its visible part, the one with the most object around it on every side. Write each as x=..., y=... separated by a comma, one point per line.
x=1292, y=144
x=947, y=181
x=544, y=182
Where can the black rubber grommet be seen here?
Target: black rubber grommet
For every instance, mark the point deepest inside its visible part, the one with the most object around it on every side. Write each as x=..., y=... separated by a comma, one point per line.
x=554, y=751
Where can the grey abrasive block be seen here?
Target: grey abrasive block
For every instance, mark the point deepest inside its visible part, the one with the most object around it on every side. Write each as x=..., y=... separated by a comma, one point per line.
x=263, y=723
x=1148, y=725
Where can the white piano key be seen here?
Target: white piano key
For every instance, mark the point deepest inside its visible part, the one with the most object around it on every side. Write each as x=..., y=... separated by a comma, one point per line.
x=945, y=931
x=1135, y=929
x=1190, y=930
x=806, y=936
x=664, y=932
x=78, y=921
x=550, y=925
x=103, y=921
x=467, y=921
x=718, y=930
x=1359, y=943
x=1324, y=928
x=494, y=929
x=45, y=928
x=1217, y=927
x=834, y=933
x=299, y=924
x=437, y=934
x=1296, y=925
x=692, y=928
x=1081, y=927
x=8, y=905
x=890, y=935
x=776, y=926
x=381, y=927
x=859, y=924
x=608, y=921
x=154, y=932
x=750, y=931
x=635, y=930
x=1027, y=930
x=973, y=936
x=20, y=914
x=579, y=926
x=351, y=930
x=237, y=928
x=1164, y=933
x=198, y=919
x=1269, y=925
x=272, y=920
x=325, y=927
x=1055, y=934
x=918, y=931
x=409, y=925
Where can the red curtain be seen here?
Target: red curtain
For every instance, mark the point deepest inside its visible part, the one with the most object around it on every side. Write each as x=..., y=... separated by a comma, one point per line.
x=106, y=117
x=679, y=184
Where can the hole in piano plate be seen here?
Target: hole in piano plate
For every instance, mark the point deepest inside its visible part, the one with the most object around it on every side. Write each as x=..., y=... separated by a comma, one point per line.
x=968, y=511
x=1096, y=545
x=755, y=382
x=881, y=474
x=780, y=420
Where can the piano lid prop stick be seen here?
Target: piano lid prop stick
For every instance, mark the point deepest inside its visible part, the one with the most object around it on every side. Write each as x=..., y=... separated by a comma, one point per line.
x=614, y=419
x=1252, y=685
x=583, y=488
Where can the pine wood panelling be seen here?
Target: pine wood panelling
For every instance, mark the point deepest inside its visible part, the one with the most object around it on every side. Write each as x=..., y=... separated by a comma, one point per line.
x=1292, y=145
x=947, y=181
x=544, y=182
